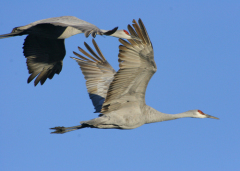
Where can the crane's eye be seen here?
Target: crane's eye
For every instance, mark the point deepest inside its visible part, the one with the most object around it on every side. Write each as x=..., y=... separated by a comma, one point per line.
x=125, y=31
x=200, y=112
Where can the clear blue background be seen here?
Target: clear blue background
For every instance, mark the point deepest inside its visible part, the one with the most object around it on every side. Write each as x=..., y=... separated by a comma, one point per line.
x=197, y=49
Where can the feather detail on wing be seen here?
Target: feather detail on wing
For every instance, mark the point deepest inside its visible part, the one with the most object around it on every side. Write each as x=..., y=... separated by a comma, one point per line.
x=98, y=74
x=137, y=65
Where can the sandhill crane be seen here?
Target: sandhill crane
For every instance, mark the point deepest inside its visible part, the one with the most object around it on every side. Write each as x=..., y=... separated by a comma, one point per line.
x=120, y=96
x=44, y=46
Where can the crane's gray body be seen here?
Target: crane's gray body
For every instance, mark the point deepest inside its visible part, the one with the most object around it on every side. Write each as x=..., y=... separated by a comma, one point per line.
x=130, y=116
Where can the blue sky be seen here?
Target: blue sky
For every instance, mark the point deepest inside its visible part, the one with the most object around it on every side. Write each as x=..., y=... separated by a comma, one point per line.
x=196, y=47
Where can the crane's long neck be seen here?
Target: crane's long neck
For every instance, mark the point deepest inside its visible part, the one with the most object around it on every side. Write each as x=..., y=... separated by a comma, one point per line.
x=153, y=115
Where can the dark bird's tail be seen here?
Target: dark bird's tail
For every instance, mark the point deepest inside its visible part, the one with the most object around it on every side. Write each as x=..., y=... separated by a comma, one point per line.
x=8, y=35
x=17, y=31
x=12, y=34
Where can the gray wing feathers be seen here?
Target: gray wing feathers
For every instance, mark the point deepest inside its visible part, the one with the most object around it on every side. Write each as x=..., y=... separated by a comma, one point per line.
x=98, y=74
x=137, y=66
x=64, y=20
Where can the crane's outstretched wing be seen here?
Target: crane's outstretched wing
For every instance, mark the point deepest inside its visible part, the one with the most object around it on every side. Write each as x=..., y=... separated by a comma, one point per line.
x=98, y=74
x=137, y=66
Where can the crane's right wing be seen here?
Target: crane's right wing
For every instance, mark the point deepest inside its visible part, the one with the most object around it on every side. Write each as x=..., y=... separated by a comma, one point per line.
x=98, y=74
x=137, y=66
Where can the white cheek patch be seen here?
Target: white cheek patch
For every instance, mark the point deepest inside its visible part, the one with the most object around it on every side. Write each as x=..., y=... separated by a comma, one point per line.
x=202, y=116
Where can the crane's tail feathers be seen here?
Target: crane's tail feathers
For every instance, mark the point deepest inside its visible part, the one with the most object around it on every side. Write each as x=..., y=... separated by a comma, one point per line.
x=62, y=129
x=110, y=32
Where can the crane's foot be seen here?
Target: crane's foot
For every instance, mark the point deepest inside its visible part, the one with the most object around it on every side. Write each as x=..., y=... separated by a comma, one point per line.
x=62, y=129
x=58, y=130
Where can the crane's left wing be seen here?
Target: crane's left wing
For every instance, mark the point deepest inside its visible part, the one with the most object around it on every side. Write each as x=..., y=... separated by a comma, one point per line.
x=137, y=65
x=98, y=74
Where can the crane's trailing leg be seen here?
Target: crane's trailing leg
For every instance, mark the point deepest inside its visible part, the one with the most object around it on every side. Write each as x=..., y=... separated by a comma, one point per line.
x=103, y=122
x=62, y=129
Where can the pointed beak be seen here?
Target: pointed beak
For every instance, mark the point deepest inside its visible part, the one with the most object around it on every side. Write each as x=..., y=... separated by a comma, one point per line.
x=213, y=117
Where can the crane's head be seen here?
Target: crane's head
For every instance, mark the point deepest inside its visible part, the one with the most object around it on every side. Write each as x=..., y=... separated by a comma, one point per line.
x=200, y=114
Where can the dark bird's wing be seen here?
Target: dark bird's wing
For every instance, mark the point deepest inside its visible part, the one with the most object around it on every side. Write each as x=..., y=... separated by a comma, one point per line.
x=44, y=57
x=44, y=46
